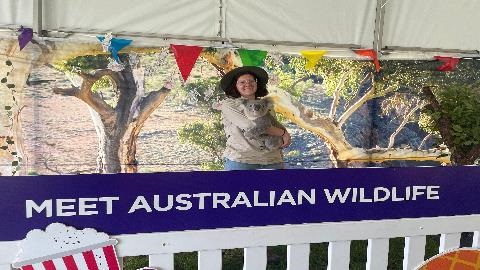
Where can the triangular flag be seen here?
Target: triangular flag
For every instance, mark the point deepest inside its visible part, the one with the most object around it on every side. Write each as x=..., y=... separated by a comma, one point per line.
x=186, y=56
x=312, y=58
x=252, y=57
x=370, y=53
x=25, y=36
x=114, y=45
x=449, y=63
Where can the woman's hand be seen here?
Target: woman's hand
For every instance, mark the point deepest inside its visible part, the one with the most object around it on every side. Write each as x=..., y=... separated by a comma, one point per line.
x=287, y=139
x=280, y=132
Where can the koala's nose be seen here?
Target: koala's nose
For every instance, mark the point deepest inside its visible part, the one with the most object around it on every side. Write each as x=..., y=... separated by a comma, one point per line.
x=256, y=107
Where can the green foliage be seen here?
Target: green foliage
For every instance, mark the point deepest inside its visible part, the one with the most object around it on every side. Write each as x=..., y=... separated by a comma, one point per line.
x=186, y=261
x=462, y=106
x=427, y=123
x=134, y=263
x=295, y=79
x=416, y=74
x=86, y=63
x=203, y=92
x=332, y=70
x=208, y=136
x=291, y=72
x=293, y=153
x=216, y=165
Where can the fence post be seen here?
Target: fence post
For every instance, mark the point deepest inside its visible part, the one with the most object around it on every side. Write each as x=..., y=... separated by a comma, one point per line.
x=161, y=261
x=338, y=255
x=414, y=251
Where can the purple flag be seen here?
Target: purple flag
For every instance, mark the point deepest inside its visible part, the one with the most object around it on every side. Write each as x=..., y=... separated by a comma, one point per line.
x=25, y=37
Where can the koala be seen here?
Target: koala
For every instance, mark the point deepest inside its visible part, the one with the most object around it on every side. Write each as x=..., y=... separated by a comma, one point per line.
x=258, y=111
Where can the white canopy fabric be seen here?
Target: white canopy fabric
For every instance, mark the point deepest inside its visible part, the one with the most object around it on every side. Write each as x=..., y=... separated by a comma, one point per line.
x=404, y=28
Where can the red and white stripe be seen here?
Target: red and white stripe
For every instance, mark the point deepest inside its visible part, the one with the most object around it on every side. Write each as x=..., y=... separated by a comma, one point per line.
x=97, y=259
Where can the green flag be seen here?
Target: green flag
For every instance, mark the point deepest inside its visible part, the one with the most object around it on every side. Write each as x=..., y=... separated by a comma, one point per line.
x=252, y=57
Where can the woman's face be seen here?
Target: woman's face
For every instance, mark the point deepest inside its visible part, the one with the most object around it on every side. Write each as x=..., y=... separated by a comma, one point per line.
x=247, y=86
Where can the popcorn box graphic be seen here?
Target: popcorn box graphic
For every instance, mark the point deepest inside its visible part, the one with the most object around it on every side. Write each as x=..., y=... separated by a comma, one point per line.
x=62, y=247
x=455, y=259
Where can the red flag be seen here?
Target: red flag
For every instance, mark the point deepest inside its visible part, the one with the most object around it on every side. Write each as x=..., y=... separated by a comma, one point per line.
x=449, y=63
x=370, y=53
x=186, y=56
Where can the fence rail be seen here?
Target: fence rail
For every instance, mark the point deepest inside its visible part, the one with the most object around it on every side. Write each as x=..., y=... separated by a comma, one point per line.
x=161, y=247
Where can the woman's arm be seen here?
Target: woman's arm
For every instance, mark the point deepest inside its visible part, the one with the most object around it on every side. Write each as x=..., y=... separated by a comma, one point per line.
x=276, y=131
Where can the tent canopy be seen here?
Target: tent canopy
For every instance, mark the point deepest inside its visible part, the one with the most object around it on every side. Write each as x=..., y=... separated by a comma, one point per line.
x=394, y=28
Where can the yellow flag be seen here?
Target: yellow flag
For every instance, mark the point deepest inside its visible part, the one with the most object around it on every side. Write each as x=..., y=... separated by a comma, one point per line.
x=312, y=58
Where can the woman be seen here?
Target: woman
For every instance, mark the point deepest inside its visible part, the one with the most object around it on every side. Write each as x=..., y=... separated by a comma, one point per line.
x=242, y=154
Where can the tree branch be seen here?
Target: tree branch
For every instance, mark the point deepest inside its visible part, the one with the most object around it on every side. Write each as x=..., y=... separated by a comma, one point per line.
x=333, y=136
x=336, y=96
x=403, y=123
x=150, y=103
x=298, y=81
x=424, y=141
x=474, y=153
x=304, y=117
x=72, y=91
x=385, y=154
x=370, y=94
x=91, y=99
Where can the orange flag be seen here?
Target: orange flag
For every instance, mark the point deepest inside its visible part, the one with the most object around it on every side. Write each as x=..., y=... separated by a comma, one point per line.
x=370, y=53
x=312, y=58
x=186, y=56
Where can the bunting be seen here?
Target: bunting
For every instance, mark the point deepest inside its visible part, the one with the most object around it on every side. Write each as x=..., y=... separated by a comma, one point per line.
x=186, y=56
x=113, y=45
x=252, y=57
x=448, y=63
x=26, y=35
x=370, y=53
x=312, y=58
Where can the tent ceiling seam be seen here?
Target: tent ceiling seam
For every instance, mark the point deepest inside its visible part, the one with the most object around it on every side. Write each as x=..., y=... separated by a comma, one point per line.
x=379, y=23
x=220, y=19
x=38, y=17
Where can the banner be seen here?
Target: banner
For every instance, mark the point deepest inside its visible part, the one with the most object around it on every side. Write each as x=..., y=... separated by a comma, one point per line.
x=161, y=202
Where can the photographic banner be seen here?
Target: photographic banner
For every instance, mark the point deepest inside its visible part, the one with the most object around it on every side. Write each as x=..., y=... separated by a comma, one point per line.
x=160, y=202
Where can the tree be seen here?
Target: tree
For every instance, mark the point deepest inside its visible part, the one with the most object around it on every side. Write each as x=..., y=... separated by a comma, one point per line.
x=455, y=114
x=351, y=81
x=119, y=124
x=450, y=103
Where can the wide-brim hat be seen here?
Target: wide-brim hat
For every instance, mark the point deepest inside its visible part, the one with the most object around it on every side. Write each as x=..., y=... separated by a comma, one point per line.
x=259, y=73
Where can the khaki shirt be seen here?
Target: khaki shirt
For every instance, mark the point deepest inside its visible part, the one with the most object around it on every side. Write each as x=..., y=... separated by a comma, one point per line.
x=239, y=148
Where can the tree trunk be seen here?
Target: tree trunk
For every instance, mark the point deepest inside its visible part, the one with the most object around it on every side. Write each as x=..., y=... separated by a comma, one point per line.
x=118, y=128
x=108, y=146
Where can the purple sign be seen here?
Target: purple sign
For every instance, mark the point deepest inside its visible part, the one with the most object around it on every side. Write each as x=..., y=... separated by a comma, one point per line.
x=142, y=203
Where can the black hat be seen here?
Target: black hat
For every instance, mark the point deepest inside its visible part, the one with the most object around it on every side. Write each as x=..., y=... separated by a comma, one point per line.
x=259, y=73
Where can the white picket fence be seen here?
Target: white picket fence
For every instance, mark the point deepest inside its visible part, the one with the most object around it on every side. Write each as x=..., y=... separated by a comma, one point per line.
x=161, y=247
